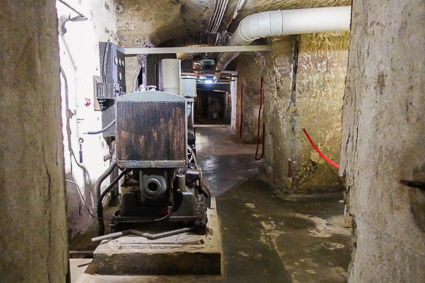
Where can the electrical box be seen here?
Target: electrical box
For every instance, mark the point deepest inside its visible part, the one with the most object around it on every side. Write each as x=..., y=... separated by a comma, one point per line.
x=112, y=69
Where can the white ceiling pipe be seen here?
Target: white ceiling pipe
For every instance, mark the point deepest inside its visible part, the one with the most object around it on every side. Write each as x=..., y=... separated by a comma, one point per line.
x=276, y=23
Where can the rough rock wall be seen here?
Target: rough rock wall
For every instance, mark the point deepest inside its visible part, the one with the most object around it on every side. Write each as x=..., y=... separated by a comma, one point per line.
x=33, y=238
x=383, y=140
x=279, y=140
x=320, y=84
x=250, y=67
x=152, y=22
x=304, y=79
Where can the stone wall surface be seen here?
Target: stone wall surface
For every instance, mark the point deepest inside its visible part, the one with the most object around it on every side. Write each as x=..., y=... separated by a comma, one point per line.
x=320, y=84
x=279, y=142
x=383, y=140
x=304, y=80
x=33, y=238
x=250, y=68
x=152, y=22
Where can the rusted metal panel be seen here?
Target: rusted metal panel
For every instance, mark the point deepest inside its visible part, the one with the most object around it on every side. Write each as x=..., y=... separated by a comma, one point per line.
x=151, y=131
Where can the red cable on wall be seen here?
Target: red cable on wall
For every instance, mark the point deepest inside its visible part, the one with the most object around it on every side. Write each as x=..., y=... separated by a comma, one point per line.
x=259, y=123
x=318, y=151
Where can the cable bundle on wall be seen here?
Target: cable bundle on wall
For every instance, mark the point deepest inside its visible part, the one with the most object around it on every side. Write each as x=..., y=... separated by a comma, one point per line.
x=217, y=16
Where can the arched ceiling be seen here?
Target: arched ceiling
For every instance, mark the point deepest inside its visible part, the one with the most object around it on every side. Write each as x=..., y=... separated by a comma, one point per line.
x=143, y=23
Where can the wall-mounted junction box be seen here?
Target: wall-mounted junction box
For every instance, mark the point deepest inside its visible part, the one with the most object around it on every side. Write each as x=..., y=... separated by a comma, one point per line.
x=112, y=84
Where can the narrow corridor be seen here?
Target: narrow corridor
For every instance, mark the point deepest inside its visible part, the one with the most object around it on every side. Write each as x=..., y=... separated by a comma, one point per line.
x=102, y=102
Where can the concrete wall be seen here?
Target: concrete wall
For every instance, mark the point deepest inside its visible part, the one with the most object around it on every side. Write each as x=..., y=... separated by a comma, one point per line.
x=33, y=238
x=80, y=61
x=383, y=140
x=304, y=79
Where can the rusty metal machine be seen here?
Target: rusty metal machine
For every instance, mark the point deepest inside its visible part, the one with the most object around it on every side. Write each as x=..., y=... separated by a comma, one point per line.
x=163, y=179
x=155, y=153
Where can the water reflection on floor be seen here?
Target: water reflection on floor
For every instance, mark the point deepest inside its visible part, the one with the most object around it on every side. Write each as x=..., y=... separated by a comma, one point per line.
x=224, y=160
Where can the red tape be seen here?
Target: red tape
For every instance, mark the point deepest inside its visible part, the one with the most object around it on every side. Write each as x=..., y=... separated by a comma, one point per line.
x=318, y=151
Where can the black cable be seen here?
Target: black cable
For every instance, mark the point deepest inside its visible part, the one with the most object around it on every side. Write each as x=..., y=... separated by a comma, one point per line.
x=105, y=53
x=103, y=130
x=82, y=199
x=150, y=220
x=98, y=184
x=99, y=201
x=86, y=172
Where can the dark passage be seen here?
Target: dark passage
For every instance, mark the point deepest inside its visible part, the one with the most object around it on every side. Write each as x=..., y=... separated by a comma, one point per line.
x=213, y=106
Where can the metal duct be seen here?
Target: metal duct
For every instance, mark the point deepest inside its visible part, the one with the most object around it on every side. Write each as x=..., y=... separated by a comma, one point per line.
x=277, y=23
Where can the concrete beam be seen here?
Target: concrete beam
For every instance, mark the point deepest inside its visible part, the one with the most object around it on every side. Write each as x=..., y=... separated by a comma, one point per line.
x=196, y=49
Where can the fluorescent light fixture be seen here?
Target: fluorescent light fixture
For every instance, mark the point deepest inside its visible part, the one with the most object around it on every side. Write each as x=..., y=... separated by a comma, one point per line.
x=208, y=82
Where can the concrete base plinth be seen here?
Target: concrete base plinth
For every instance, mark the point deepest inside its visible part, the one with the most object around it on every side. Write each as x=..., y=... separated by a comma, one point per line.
x=185, y=253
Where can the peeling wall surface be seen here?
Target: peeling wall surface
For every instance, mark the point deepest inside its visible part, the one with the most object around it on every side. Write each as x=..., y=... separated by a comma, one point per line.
x=33, y=238
x=80, y=61
x=383, y=140
x=304, y=79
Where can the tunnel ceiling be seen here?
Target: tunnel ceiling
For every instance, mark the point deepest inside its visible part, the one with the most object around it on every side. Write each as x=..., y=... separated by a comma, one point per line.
x=144, y=23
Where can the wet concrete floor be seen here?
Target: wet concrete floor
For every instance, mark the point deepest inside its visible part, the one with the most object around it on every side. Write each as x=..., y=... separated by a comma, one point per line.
x=267, y=236
x=224, y=160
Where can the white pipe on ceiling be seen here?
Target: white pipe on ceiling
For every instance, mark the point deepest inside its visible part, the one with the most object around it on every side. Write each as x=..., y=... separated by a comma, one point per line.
x=277, y=23
x=195, y=49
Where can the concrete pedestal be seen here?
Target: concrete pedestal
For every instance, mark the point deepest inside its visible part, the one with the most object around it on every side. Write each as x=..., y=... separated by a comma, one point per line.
x=185, y=253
